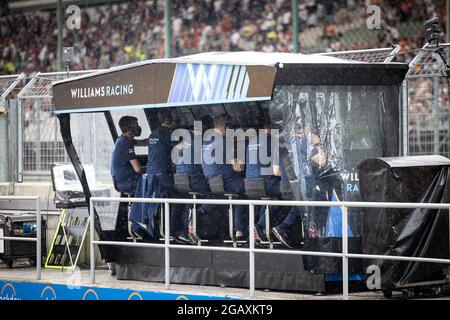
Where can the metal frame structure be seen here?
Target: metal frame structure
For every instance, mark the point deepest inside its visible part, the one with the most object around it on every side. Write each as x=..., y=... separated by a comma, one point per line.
x=38, y=88
x=345, y=255
x=7, y=85
x=382, y=55
x=424, y=63
x=38, y=238
x=431, y=63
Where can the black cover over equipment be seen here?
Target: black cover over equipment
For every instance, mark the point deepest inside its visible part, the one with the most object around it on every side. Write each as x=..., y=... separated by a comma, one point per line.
x=406, y=232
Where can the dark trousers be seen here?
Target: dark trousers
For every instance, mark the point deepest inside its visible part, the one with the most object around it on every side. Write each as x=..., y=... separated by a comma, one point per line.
x=128, y=185
x=272, y=188
x=294, y=216
x=198, y=184
x=235, y=184
x=177, y=211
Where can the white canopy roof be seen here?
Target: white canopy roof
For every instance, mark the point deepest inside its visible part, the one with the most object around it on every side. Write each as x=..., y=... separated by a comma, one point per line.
x=257, y=58
x=235, y=58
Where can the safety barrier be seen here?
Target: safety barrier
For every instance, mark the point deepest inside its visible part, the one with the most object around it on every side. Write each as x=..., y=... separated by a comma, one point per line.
x=38, y=238
x=345, y=255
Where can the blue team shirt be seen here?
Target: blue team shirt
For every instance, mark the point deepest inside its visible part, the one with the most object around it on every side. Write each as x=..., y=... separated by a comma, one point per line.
x=123, y=153
x=159, y=151
x=188, y=167
x=210, y=168
x=255, y=170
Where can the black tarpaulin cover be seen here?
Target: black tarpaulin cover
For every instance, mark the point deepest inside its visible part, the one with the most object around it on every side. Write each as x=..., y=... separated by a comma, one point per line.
x=406, y=232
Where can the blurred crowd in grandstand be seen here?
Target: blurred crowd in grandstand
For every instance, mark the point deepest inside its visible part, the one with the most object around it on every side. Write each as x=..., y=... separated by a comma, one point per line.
x=116, y=34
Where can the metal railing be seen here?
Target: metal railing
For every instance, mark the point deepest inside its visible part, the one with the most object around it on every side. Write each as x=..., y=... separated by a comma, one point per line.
x=38, y=238
x=345, y=255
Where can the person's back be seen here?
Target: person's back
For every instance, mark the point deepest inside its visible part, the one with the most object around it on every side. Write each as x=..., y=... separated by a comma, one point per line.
x=185, y=164
x=160, y=166
x=123, y=152
x=159, y=151
x=262, y=162
x=213, y=163
x=259, y=147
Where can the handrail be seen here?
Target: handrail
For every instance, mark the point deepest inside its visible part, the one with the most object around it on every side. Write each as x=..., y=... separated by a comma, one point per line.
x=252, y=250
x=38, y=238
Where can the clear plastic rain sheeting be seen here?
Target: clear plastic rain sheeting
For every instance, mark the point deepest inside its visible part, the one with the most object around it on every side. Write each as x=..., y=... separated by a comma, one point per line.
x=325, y=132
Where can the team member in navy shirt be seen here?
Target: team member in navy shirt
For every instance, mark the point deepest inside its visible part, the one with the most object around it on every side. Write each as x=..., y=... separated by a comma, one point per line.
x=160, y=165
x=125, y=167
x=186, y=164
x=261, y=145
x=256, y=168
x=213, y=166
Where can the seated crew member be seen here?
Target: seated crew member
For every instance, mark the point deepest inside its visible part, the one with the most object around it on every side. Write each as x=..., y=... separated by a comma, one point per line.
x=322, y=182
x=215, y=164
x=125, y=167
x=161, y=167
x=185, y=164
x=255, y=168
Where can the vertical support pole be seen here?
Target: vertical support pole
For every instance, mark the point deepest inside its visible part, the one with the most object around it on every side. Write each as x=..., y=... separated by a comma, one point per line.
x=12, y=143
x=448, y=21
x=231, y=223
x=19, y=141
x=166, y=244
x=4, y=141
x=38, y=146
x=91, y=240
x=295, y=35
x=267, y=226
x=38, y=239
x=168, y=28
x=345, y=253
x=436, y=95
x=252, y=248
x=404, y=125
x=59, y=23
x=194, y=221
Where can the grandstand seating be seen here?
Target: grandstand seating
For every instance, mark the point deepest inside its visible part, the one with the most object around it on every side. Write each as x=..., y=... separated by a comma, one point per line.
x=116, y=34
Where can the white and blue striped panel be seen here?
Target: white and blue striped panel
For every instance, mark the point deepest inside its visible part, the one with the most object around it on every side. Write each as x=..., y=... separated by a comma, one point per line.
x=209, y=82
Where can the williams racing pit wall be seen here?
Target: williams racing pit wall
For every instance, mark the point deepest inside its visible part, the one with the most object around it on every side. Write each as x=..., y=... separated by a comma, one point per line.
x=331, y=114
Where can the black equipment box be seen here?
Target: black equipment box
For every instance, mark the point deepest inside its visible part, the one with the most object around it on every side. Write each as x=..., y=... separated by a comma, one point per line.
x=20, y=226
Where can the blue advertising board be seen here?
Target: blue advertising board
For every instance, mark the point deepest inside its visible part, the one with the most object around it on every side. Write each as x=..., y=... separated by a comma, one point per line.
x=15, y=290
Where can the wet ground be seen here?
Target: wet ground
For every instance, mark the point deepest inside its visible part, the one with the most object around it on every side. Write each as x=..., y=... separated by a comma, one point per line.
x=23, y=272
